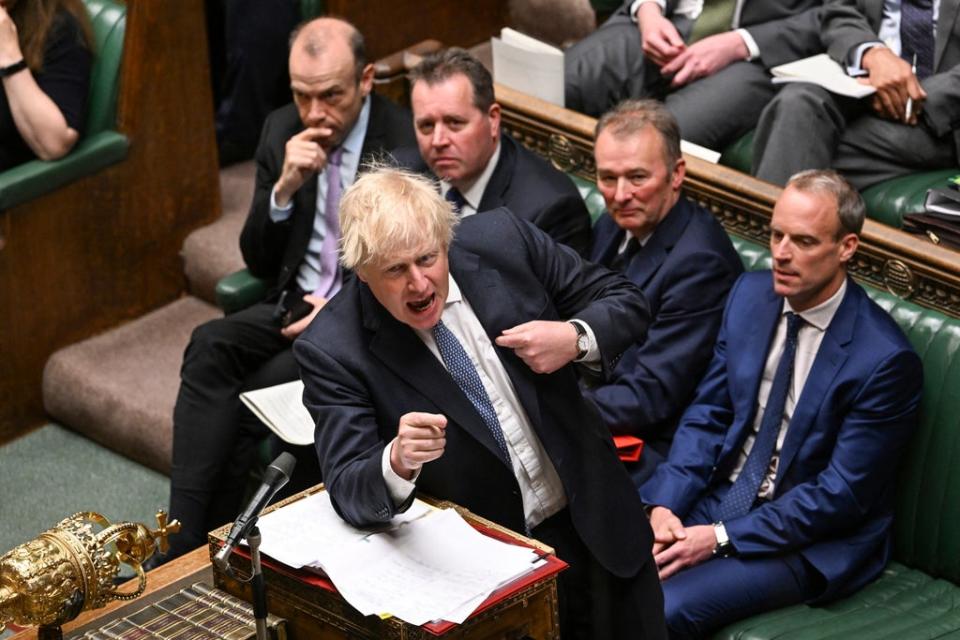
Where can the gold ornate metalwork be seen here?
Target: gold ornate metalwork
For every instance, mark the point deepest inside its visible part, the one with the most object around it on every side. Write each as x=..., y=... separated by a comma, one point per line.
x=71, y=568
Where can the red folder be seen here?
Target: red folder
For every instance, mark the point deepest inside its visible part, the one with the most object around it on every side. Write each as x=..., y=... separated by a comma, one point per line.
x=629, y=448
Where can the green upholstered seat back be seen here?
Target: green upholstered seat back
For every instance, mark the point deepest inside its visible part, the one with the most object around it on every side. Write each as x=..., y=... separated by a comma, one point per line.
x=311, y=9
x=927, y=526
x=591, y=197
x=109, y=20
x=890, y=200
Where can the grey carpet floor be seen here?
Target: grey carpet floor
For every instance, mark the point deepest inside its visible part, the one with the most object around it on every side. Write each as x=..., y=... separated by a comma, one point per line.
x=52, y=473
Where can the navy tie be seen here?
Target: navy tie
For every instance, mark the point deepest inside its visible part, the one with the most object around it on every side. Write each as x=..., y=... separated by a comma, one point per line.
x=622, y=259
x=465, y=375
x=454, y=197
x=916, y=34
x=743, y=493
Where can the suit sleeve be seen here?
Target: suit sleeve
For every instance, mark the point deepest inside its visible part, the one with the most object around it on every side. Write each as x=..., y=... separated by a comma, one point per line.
x=788, y=39
x=566, y=220
x=347, y=437
x=869, y=445
x=614, y=307
x=680, y=481
x=263, y=241
x=657, y=378
x=844, y=28
x=941, y=109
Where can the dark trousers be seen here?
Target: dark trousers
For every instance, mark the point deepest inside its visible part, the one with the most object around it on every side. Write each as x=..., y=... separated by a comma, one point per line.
x=215, y=437
x=703, y=598
x=594, y=603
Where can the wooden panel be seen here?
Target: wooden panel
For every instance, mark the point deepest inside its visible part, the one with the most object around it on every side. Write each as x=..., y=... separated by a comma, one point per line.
x=106, y=248
x=890, y=259
x=391, y=26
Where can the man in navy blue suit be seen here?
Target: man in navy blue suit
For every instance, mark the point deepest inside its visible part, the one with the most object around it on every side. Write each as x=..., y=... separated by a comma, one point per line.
x=681, y=257
x=445, y=367
x=778, y=488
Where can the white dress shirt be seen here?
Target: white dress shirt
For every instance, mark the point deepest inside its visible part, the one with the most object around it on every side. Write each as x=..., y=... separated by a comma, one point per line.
x=888, y=35
x=816, y=321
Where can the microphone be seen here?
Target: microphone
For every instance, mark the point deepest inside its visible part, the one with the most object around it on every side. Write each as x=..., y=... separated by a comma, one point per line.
x=276, y=475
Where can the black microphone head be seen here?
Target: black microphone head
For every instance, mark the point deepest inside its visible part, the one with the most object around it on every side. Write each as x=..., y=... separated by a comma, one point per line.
x=284, y=464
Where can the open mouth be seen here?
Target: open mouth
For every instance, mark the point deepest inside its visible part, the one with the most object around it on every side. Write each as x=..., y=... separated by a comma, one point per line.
x=420, y=306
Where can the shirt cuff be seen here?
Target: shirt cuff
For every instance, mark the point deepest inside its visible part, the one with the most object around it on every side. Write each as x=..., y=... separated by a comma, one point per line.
x=753, y=51
x=399, y=488
x=856, y=69
x=636, y=6
x=279, y=214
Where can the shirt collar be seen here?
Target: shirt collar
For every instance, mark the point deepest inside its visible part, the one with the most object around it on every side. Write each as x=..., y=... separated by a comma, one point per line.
x=473, y=194
x=821, y=315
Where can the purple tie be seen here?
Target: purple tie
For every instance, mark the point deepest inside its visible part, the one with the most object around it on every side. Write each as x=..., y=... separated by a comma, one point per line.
x=330, y=276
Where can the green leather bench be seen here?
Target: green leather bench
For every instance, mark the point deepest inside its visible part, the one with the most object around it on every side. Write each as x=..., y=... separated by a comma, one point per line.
x=101, y=146
x=887, y=201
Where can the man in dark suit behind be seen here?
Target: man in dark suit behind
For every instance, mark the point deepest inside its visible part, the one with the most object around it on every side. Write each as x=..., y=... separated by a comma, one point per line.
x=708, y=60
x=681, y=257
x=447, y=368
x=308, y=151
x=872, y=140
x=779, y=487
x=458, y=134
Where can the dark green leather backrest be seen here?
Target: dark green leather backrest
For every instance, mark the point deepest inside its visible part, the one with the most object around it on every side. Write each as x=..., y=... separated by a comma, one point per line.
x=927, y=525
x=109, y=20
x=311, y=9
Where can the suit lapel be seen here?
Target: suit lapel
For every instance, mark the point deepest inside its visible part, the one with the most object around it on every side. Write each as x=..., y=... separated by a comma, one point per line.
x=764, y=311
x=653, y=254
x=401, y=350
x=948, y=15
x=501, y=176
x=829, y=359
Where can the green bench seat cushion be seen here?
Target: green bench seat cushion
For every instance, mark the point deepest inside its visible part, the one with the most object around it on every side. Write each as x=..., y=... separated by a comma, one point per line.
x=888, y=201
x=902, y=603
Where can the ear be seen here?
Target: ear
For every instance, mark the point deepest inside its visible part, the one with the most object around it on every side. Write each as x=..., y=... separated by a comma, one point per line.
x=493, y=113
x=366, y=80
x=848, y=246
x=679, y=173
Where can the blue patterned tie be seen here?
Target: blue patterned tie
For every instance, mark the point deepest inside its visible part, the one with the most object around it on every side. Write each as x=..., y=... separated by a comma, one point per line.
x=466, y=376
x=916, y=34
x=743, y=493
x=454, y=197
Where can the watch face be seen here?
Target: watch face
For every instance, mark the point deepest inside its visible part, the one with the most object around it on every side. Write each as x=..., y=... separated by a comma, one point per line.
x=582, y=344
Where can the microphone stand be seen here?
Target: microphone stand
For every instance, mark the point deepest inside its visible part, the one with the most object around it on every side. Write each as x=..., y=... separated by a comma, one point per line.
x=258, y=585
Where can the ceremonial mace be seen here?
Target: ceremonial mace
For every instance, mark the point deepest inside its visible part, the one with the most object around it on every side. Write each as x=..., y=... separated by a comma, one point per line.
x=71, y=568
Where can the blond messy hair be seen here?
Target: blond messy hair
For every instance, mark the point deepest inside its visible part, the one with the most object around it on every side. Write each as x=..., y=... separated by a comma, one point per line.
x=388, y=211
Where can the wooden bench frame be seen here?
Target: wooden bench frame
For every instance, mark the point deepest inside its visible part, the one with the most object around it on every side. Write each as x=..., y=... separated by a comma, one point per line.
x=905, y=265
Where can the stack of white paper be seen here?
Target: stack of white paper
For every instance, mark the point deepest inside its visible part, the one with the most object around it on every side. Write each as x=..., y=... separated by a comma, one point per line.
x=427, y=565
x=281, y=408
x=529, y=65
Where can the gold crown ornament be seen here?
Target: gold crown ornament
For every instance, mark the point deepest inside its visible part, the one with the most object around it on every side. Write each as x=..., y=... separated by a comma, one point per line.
x=71, y=568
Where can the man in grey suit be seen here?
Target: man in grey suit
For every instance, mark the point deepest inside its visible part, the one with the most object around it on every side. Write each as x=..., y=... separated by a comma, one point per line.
x=707, y=59
x=873, y=139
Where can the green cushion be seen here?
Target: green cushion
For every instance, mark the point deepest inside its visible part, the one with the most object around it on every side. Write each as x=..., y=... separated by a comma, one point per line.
x=239, y=290
x=739, y=155
x=311, y=9
x=591, y=197
x=888, y=201
x=902, y=603
x=37, y=177
x=109, y=20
